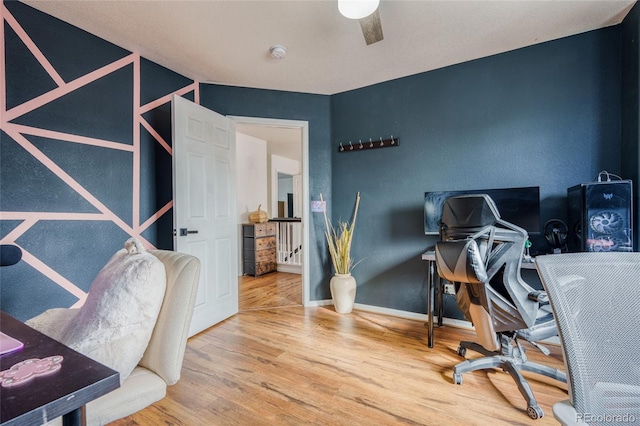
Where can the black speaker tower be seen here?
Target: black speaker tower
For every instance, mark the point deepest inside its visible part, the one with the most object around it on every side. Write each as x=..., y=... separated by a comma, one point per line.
x=601, y=216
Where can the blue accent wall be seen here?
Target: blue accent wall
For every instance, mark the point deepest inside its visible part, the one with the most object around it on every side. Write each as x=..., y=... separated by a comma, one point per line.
x=630, y=139
x=546, y=115
x=550, y=115
x=71, y=204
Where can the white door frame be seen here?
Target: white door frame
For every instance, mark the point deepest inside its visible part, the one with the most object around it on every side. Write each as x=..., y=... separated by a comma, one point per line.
x=304, y=127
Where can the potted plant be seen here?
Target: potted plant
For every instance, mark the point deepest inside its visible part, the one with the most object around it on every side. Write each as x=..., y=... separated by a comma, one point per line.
x=342, y=284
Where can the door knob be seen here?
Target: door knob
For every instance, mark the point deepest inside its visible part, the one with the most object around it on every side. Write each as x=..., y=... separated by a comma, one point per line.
x=184, y=232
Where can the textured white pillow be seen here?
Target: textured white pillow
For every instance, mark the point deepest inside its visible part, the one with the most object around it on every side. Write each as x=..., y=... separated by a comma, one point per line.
x=53, y=322
x=116, y=321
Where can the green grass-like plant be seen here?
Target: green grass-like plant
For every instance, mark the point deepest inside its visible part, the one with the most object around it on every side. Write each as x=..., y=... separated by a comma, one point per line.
x=339, y=241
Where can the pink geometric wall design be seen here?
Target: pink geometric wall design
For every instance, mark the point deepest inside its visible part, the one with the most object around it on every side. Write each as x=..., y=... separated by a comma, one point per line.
x=19, y=133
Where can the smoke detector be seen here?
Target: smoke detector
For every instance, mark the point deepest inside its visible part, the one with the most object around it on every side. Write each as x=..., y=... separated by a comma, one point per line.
x=278, y=51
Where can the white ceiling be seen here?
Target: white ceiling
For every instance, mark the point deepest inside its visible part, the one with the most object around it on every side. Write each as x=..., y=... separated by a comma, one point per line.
x=282, y=141
x=227, y=42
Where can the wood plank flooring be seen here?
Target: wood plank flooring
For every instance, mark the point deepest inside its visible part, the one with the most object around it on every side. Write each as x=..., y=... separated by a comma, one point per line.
x=297, y=366
x=276, y=289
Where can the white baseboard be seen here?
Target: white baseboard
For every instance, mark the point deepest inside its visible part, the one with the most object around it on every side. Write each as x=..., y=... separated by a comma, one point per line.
x=452, y=322
x=292, y=269
x=412, y=315
x=391, y=312
x=394, y=313
x=316, y=303
x=416, y=316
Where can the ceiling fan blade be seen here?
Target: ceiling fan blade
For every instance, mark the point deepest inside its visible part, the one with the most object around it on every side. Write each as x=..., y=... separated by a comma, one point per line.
x=371, y=28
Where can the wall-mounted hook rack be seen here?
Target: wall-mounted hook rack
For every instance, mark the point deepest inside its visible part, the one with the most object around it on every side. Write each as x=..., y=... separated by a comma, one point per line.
x=371, y=144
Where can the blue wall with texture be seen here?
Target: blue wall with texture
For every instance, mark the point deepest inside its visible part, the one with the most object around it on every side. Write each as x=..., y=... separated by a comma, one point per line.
x=82, y=161
x=630, y=137
x=87, y=164
x=546, y=115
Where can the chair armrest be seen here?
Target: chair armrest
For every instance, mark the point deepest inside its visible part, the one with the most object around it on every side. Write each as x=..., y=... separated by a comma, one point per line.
x=460, y=261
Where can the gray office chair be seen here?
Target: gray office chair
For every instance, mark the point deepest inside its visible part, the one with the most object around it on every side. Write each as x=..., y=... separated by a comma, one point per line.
x=481, y=254
x=596, y=301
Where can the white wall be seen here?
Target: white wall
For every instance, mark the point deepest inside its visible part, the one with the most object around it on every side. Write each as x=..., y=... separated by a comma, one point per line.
x=277, y=165
x=251, y=161
x=285, y=186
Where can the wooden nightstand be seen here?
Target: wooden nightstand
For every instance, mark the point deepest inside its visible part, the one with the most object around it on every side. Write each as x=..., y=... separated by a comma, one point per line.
x=259, y=248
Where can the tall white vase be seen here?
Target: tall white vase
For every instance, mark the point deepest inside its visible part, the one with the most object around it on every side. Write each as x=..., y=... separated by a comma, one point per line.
x=343, y=292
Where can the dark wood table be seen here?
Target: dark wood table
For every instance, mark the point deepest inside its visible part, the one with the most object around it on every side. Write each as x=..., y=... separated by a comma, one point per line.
x=61, y=393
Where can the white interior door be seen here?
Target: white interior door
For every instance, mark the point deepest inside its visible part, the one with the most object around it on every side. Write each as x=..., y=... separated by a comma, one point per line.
x=204, y=207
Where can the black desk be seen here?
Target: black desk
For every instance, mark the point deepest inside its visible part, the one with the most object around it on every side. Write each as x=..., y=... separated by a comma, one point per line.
x=434, y=294
x=62, y=393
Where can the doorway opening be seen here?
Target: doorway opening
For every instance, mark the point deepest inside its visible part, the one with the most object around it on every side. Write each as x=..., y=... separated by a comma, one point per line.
x=269, y=149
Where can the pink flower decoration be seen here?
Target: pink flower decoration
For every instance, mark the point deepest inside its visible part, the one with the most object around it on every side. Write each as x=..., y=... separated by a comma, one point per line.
x=26, y=370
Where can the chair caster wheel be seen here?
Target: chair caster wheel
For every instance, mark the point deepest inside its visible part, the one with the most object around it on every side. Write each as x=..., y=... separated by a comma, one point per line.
x=534, y=412
x=457, y=379
x=462, y=351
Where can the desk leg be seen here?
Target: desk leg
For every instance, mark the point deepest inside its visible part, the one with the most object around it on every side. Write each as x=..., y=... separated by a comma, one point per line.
x=430, y=278
x=76, y=417
x=438, y=288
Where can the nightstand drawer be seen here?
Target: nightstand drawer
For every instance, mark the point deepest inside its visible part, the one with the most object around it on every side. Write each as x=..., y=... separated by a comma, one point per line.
x=268, y=255
x=265, y=229
x=264, y=267
x=265, y=243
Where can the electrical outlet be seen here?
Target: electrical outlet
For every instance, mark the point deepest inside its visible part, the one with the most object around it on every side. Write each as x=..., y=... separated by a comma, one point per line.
x=449, y=288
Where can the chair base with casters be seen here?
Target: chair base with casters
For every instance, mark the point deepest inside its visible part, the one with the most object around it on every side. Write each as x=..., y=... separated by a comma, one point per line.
x=512, y=359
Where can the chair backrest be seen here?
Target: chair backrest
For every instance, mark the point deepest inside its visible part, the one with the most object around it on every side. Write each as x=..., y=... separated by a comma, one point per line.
x=595, y=299
x=467, y=214
x=165, y=353
x=505, y=295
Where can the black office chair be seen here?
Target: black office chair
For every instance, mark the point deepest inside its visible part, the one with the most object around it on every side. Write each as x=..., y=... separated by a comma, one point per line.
x=482, y=254
x=9, y=254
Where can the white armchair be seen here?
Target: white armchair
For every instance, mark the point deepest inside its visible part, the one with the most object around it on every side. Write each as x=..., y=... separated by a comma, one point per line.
x=161, y=362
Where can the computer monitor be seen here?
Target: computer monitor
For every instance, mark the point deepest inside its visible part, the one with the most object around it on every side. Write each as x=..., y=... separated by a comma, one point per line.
x=520, y=206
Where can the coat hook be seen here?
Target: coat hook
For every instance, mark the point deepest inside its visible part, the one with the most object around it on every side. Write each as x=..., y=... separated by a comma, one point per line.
x=381, y=142
x=370, y=143
x=350, y=146
x=361, y=144
x=341, y=147
x=392, y=141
